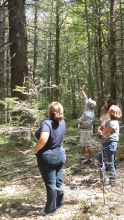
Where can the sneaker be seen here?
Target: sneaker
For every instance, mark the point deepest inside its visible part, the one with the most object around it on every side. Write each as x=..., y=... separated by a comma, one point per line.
x=89, y=161
x=109, y=186
x=60, y=207
x=112, y=184
x=82, y=158
x=42, y=212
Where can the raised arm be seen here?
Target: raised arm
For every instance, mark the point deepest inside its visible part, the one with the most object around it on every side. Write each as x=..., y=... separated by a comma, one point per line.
x=82, y=90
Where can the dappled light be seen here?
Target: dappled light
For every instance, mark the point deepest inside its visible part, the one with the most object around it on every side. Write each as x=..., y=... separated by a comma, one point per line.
x=22, y=191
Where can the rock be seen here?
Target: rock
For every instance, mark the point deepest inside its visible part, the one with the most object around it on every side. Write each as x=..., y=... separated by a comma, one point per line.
x=7, y=210
x=30, y=213
x=13, y=211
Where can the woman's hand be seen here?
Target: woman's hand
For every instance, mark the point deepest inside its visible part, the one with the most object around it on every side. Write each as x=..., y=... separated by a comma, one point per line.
x=80, y=121
x=41, y=142
x=107, y=132
x=82, y=88
x=100, y=129
x=99, y=132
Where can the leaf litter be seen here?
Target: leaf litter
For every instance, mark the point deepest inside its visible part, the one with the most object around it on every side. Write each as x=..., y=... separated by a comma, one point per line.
x=23, y=194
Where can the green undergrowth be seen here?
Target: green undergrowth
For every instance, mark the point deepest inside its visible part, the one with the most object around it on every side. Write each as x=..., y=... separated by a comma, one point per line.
x=13, y=156
x=16, y=202
x=16, y=162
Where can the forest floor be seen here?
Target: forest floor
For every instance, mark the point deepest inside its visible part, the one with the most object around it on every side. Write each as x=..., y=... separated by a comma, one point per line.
x=22, y=190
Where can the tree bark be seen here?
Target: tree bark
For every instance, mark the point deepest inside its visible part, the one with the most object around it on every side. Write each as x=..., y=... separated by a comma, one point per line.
x=2, y=40
x=100, y=56
x=56, y=95
x=18, y=48
x=35, y=42
x=72, y=86
x=122, y=59
x=90, y=81
x=112, y=50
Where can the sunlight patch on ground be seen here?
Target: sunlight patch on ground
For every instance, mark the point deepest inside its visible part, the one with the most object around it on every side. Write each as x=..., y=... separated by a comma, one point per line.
x=13, y=190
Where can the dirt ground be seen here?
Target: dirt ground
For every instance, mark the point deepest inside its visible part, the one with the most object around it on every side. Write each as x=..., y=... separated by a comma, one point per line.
x=23, y=194
x=85, y=197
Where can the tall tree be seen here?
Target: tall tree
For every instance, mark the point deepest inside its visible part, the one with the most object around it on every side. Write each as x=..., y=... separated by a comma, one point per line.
x=121, y=49
x=2, y=40
x=100, y=54
x=56, y=95
x=18, y=47
x=35, y=41
x=90, y=82
x=49, y=48
x=112, y=49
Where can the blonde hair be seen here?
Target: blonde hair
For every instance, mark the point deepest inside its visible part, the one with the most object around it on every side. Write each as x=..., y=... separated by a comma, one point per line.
x=56, y=111
x=115, y=112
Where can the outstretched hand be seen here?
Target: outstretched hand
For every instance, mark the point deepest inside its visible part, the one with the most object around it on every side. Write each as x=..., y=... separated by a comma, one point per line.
x=82, y=88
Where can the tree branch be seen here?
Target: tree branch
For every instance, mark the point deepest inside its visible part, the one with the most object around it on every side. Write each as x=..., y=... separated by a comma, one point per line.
x=4, y=28
x=6, y=47
x=5, y=69
x=5, y=2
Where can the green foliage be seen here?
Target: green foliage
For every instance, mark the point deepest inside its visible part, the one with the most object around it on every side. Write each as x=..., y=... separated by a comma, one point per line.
x=3, y=139
x=21, y=89
x=112, y=208
x=74, y=27
x=82, y=203
x=15, y=159
x=3, y=198
x=19, y=111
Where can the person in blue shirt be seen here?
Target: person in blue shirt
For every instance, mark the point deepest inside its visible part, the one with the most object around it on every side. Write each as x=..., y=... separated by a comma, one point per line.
x=85, y=123
x=51, y=156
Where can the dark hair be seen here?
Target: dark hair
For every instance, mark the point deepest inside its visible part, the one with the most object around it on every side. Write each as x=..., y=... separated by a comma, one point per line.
x=110, y=103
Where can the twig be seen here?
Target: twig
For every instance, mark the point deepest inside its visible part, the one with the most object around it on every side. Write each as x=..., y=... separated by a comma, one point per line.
x=18, y=171
x=23, y=161
x=6, y=47
x=6, y=69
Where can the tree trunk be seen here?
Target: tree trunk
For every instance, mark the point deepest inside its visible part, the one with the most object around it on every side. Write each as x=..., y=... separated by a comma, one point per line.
x=18, y=48
x=56, y=95
x=90, y=81
x=100, y=56
x=49, y=48
x=122, y=58
x=35, y=42
x=48, y=78
x=99, y=104
x=2, y=40
x=72, y=87
x=112, y=50
x=7, y=85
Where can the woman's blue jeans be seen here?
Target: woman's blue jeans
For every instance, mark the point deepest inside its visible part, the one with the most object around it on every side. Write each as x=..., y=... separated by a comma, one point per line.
x=50, y=167
x=109, y=149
